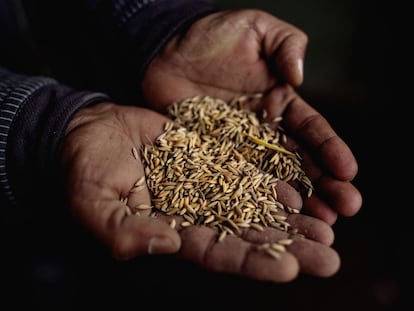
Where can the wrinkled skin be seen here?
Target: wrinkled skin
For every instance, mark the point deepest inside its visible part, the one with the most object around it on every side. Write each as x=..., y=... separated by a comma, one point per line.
x=232, y=53
x=99, y=168
x=224, y=55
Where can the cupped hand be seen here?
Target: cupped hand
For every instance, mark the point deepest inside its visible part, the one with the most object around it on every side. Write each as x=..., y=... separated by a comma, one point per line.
x=275, y=255
x=232, y=53
x=100, y=169
x=326, y=158
x=225, y=55
x=102, y=173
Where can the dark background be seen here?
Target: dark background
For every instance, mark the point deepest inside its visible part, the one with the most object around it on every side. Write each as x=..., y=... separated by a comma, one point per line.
x=356, y=66
x=352, y=74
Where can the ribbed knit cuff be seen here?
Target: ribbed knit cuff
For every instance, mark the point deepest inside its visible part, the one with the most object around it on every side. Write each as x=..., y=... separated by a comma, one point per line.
x=145, y=27
x=14, y=91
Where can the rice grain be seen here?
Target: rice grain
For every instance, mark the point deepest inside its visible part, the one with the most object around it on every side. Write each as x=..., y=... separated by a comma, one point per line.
x=217, y=165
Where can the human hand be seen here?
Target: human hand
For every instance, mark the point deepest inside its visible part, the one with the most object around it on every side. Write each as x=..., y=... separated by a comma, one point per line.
x=99, y=170
x=233, y=53
x=310, y=252
x=326, y=158
x=225, y=55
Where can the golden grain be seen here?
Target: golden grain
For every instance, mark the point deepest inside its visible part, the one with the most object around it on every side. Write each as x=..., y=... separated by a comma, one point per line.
x=135, y=153
x=128, y=210
x=278, y=247
x=275, y=254
x=285, y=241
x=143, y=206
x=257, y=227
x=217, y=165
x=140, y=182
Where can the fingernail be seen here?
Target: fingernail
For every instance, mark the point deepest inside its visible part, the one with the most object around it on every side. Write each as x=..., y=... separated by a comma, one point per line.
x=300, y=67
x=160, y=245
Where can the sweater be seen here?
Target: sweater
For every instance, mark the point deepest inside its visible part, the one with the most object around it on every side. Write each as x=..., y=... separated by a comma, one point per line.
x=60, y=56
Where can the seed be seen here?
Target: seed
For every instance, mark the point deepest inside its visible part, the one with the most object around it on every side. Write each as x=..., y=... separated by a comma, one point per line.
x=222, y=235
x=137, y=188
x=135, y=153
x=124, y=200
x=257, y=227
x=140, y=181
x=277, y=119
x=275, y=254
x=217, y=165
x=292, y=210
x=186, y=224
x=278, y=247
x=127, y=210
x=261, y=142
x=209, y=219
x=143, y=206
x=285, y=241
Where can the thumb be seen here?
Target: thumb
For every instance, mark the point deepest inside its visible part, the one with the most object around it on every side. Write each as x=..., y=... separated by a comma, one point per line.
x=143, y=235
x=289, y=58
x=285, y=45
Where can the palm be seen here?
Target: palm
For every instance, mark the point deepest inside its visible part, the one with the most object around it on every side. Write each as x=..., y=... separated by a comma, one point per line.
x=100, y=170
x=223, y=55
x=228, y=54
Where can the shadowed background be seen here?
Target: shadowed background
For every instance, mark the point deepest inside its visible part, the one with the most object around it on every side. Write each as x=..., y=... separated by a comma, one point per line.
x=347, y=78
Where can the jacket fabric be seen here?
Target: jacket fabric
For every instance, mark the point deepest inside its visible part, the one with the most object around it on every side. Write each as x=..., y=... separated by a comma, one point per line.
x=59, y=56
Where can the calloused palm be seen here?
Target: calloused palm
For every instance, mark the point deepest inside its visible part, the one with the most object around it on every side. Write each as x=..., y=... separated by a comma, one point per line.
x=233, y=53
x=99, y=170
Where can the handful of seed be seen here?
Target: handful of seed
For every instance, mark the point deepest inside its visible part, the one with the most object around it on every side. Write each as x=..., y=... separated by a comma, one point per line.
x=217, y=165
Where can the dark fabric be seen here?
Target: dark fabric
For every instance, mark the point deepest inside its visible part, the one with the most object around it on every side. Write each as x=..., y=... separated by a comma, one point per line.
x=90, y=48
x=143, y=31
x=35, y=135
x=14, y=91
x=93, y=44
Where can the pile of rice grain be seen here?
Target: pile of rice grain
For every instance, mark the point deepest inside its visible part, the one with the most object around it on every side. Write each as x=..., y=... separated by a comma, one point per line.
x=218, y=165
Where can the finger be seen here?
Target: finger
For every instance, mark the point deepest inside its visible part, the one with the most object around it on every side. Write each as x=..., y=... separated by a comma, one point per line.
x=138, y=199
x=312, y=129
x=331, y=196
x=235, y=256
x=343, y=195
x=310, y=227
x=316, y=207
x=141, y=235
x=148, y=128
x=313, y=252
x=286, y=45
x=315, y=258
x=129, y=235
x=289, y=58
x=288, y=196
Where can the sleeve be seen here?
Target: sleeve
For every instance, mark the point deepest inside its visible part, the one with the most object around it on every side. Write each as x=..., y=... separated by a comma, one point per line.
x=146, y=26
x=34, y=113
x=34, y=110
x=139, y=29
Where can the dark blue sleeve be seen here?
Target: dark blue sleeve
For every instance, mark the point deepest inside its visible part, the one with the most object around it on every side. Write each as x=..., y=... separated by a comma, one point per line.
x=121, y=36
x=146, y=26
x=102, y=45
x=34, y=113
x=134, y=31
